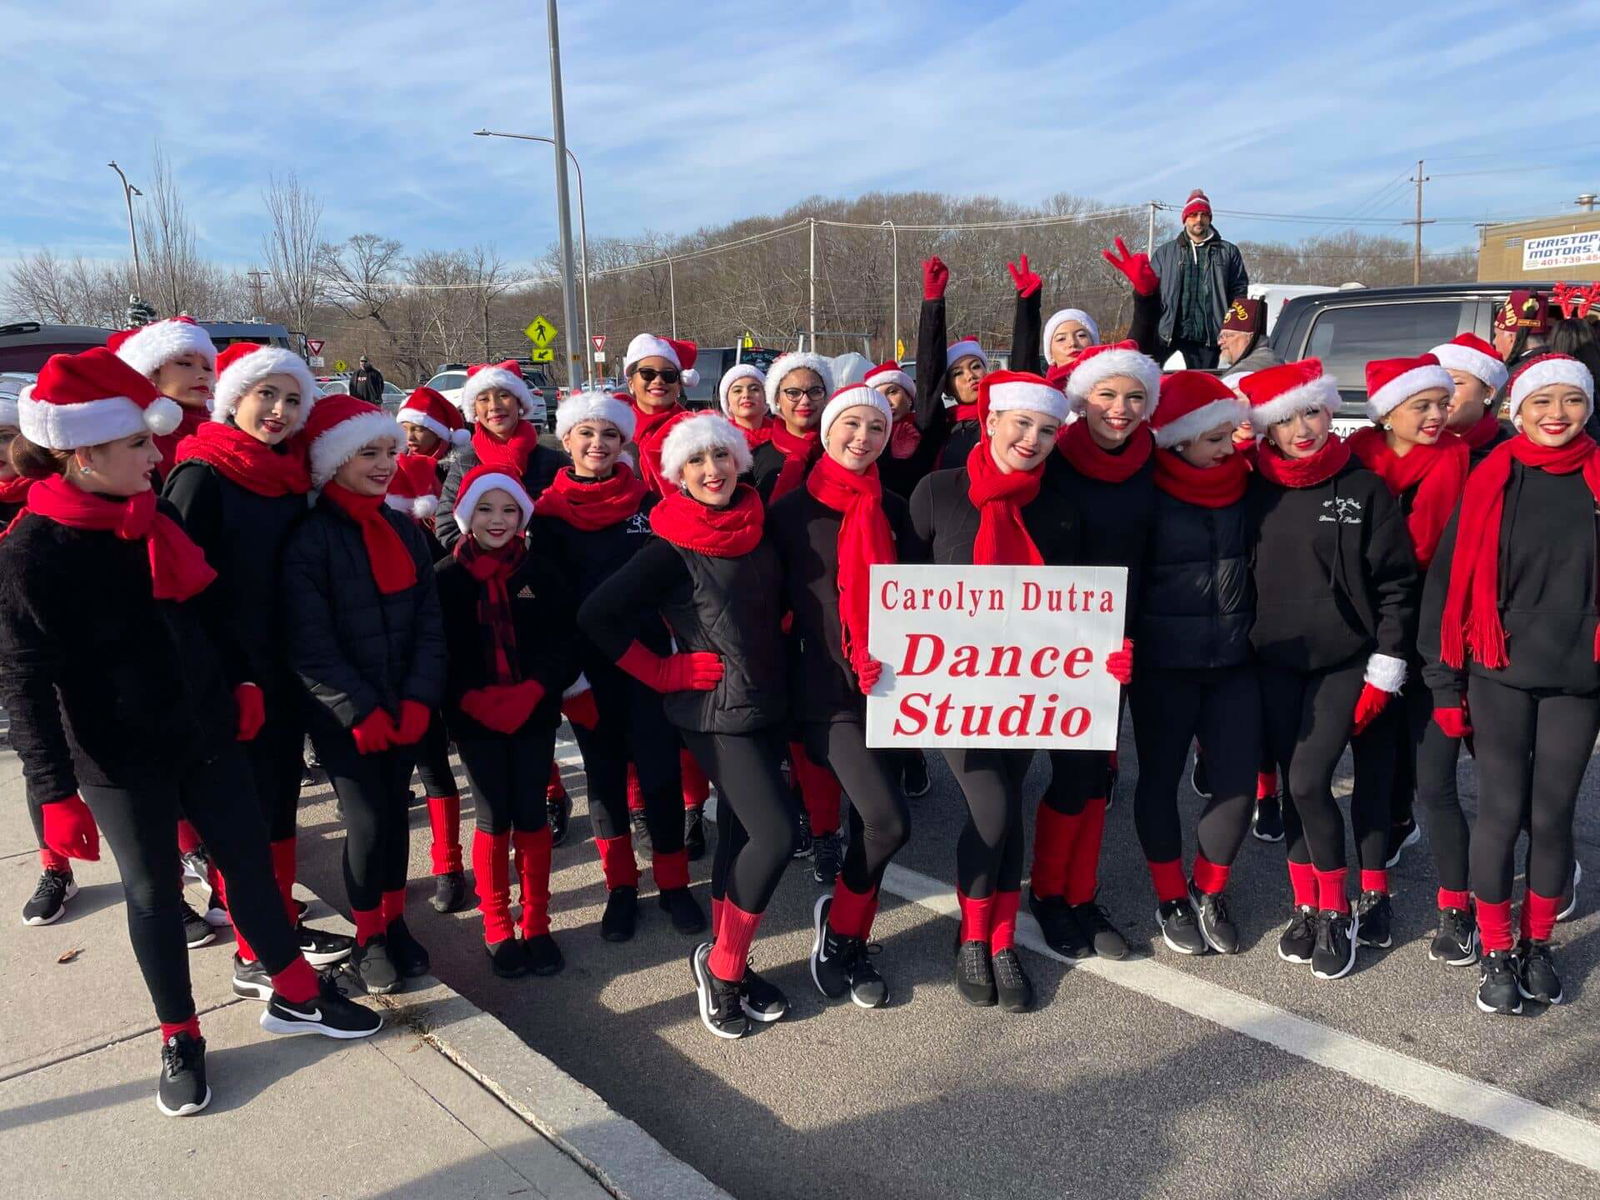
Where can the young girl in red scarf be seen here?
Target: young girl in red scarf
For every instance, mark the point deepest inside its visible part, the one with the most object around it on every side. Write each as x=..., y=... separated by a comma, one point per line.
x=657, y=370
x=1511, y=633
x=366, y=640
x=128, y=700
x=742, y=391
x=828, y=535
x=1404, y=753
x=718, y=586
x=591, y=521
x=1479, y=374
x=1336, y=591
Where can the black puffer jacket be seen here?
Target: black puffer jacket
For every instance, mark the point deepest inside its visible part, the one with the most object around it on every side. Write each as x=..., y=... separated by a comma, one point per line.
x=944, y=523
x=354, y=648
x=1198, y=599
x=542, y=466
x=1117, y=517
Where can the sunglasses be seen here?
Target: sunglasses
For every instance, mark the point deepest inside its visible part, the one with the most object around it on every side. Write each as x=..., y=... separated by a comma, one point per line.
x=815, y=393
x=650, y=375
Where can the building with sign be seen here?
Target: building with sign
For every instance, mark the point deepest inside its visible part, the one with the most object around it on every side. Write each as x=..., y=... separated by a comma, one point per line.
x=1549, y=248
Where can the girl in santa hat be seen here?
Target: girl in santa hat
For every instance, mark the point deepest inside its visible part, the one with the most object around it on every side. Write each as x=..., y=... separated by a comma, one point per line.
x=828, y=534
x=954, y=369
x=1479, y=375
x=240, y=484
x=742, y=392
x=508, y=662
x=592, y=520
x=717, y=584
x=658, y=370
x=914, y=437
x=1511, y=633
x=798, y=386
x=178, y=356
x=365, y=638
x=1104, y=468
x=1066, y=335
x=128, y=698
x=1336, y=593
x=1196, y=677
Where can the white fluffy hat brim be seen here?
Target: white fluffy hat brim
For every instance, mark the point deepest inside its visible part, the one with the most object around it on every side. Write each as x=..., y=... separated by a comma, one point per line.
x=1476, y=363
x=1202, y=420
x=482, y=485
x=583, y=406
x=344, y=441
x=151, y=348
x=878, y=379
x=1405, y=385
x=415, y=416
x=734, y=374
x=648, y=345
x=698, y=434
x=1528, y=381
x=1109, y=364
x=93, y=422
x=856, y=396
x=795, y=362
x=493, y=377
x=244, y=373
x=1025, y=396
x=1322, y=392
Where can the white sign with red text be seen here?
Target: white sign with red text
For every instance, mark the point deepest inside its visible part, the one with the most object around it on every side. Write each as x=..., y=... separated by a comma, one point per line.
x=1004, y=658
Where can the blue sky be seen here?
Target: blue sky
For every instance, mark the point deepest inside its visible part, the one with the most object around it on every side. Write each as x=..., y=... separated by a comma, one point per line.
x=692, y=114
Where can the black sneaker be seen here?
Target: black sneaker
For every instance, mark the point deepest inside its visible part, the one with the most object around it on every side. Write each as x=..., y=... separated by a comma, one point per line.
x=830, y=953
x=49, y=899
x=1180, y=928
x=975, y=975
x=1216, y=923
x=410, y=957
x=1456, y=942
x=914, y=776
x=544, y=956
x=508, y=959
x=1061, y=930
x=197, y=931
x=1013, y=988
x=802, y=836
x=1499, y=990
x=868, y=988
x=559, y=813
x=329, y=1013
x=449, y=892
x=1266, y=824
x=761, y=1000
x=182, y=1090
x=197, y=865
x=1299, y=937
x=1400, y=836
x=1536, y=975
x=323, y=949
x=827, y=856
x=373, y=966
x=1334, y=955
x=1200, y=776
x=694, y=832
x=640, y=831
x=621, y=915
x=250, y=980
x=1096, y=924
x=685, y=911
x=1569, y=897
x=720, y=1009
x=1377, y=918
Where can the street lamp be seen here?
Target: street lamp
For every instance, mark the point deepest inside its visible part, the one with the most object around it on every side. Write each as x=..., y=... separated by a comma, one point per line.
x=128, y=193
x=894, y=241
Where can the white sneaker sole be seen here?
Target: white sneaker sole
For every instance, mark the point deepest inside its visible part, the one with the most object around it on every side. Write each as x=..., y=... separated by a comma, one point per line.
x=1498, y=1012
x=188, y=1110
x=702, y=988
x=278, y=1025
x=1173, y=946
x=246, y=990
x=1464, y=958
x=61, y=909
x=325, y=959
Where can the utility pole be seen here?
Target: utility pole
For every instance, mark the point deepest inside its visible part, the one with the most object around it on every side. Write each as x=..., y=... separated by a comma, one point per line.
x=1150, y=230
x=569, y=301
x=257, y=287
x=811, y=276
x=1416, y=253
x=128, y=193
x=672, y=295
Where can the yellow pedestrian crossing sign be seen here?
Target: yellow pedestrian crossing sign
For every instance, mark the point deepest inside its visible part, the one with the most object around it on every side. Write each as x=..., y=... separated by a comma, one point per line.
x=541, y=333
x=340, y=367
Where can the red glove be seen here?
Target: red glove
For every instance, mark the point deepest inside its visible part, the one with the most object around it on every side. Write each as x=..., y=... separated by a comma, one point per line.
x=1119, y=663
x=252, y=706
x=580, y=709
x=868, y=674
x=374, y=732
x=414, y=721
x=697, y=672
x=1136, y=267
x=69, y=829
x=1454, y=721
x=1372, y=701
x=935, y=278
x=523, y=698
x=1027, y=281
x=481, y=705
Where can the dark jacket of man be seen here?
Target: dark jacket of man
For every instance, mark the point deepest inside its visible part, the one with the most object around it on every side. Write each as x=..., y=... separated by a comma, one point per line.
x=367, y=384
x=1226, y=280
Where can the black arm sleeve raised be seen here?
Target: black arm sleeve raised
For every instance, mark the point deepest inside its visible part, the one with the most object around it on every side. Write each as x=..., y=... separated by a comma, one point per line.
x=610, y=616
x=1026, y=324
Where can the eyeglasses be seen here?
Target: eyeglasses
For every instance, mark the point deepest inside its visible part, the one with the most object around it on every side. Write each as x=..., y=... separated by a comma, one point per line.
x=815, y=393
x=650, y=375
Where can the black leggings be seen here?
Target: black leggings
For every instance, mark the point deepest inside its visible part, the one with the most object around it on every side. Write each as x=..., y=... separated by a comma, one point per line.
x=375, y=792
x=1533, y=748
x=141, y=825
x=1428, y=763
x=1306, y=717
x=1377, y=771
x=880, y=822
x=632, y=728
x=433, y=761
x=757, y=819
x=276, y=764
x=508, y=773
x=989, y=851
x=1222, y=708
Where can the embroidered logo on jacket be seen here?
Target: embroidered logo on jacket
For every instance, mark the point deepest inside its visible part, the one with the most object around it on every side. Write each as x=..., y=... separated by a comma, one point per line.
x=526, y=593
x=639, y=523
x=1341, y=510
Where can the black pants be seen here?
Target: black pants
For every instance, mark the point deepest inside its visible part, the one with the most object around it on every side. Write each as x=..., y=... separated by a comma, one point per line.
x=1533, y=748
x=989, y=850
x=880, y=822
x=1198, y=356
x=433, y=760
x=375, y=792
x=757, y=819
x=276, y=764
x=1306, y=717
x=1428, y=762
x=141, y=825
x=508, y=774
x=632, y=729
x=1375, y=759
x=1222, y=708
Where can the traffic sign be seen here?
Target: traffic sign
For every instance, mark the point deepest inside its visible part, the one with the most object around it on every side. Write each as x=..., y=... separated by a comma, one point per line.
x=314, y=345
x=599, y=355
x=541, y=333
x=749, y=340
x=316, y=360
x=599, y=340
x=543, y=354
x=900, y=349
x=340, y=366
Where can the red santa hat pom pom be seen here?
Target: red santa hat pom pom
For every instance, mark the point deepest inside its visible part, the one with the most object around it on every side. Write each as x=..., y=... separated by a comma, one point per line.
x=1099, y=363
x=481, y=377
x=150, y=347
x=429, y=409
x=1281, y=392
x=581, y=406
x=339, y=427
x=795, y=362
x=244, y=364
x=91, y=398
x=1197, y=202
x=1538, y=373
x=1470, y=353
x=478, y=483
x=698, y=434
x=1392, y=381
x=1193, y=403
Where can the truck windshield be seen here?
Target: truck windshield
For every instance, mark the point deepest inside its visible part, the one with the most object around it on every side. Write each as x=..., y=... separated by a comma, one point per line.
x=1347, y=337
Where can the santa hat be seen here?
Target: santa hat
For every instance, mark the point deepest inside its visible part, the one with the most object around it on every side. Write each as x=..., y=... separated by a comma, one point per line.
x=698, y=434
x=889, y=372
x=90, y=398
x=680, y=354
x=481, y=377
x=1470, y=353
x=1278, y=393
x=427, y=408
x=150, y=347
x=1020, y=391
x=414, y=490
x=1099, y=363
x=244, y=364
x=1392, y=381
x=1198, y=202
x=339, y=427
x=854, y=396
x=1192, y=403
x=736, y=373
x=795, y=362
x=956, y=351
x=1538, y=373
x=583, y=406
x=1059, y=319
x=482, y=480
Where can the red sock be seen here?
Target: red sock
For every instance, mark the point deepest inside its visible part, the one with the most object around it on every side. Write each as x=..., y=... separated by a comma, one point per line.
x=241, y=945
x=1303, y=883
x=1168, y=879
x=733, y=942
x=716, y=916
x=394, y=906
x=977, y=917
x=1083, y=869
x=617, y=862
x=49, y=860
x=852, y=912
x=1266, y=785
x=444, y=819
x=1330, y=891
x=533, y=870
x=1494, y=924
x=1375, y=881
x=491, y=872
x=188, y=837
x=191, y=1027
x=296, y=983
x=369, y=923
x=635, y=796
x=1209, y=877
x=1449, y=899
x=671, y=870
x=1053, y=834
x=555, y=791
x=696, y=787
x=819, y=790
x=1003, y=921
x=1539, y=915
x=283, y=867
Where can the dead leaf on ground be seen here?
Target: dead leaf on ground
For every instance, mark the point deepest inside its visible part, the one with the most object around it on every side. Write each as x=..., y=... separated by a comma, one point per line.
x=70, y=954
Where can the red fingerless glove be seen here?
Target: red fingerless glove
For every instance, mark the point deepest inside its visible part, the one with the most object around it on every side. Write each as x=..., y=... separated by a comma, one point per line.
x=69, y=829
x=1119, y=663
x=1136, y=267
x=414, y=719
x=252, y=706
x=374, y=732
x=1027, y=281
x=1371, y=702
x=935, y=278
x=696, y=672
x=1453, y=721
x=580, y=709
x=868, y=674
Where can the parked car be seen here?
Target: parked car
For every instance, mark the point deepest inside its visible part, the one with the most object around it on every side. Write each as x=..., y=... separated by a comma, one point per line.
x=393, y=397
x=26, y=345
x=226, y=333
x=451, y=376
x=713, y=362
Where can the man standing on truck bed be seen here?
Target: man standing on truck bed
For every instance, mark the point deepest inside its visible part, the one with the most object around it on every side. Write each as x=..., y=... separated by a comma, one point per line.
x=367, y=383
x=1201, y=275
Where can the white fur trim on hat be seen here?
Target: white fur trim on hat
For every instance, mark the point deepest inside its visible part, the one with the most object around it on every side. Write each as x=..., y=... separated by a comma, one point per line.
x=795, y=362
x=1476, y=363
x=420, y=507
x=490, y=481
x=583, y=406
x=344, y=441
x=1023, y=396
x=493, y=377
x=648, y=345
x=1321, y=392
x=1061, y=318
x=1202, y=420
x=1108, y=364
x=244, y=373
x=415, y=416
x=147, y=350
x=966, y=347
x=1405, y=385
x=1386, y=673
x=736, y=373
x=887, y=375
x=857, y=395
x=94, y=422
x=1529, y=380
x=704, y=432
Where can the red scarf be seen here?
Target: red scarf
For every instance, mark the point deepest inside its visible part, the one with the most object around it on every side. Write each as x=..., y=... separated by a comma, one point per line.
x=799, y=452
x=15, y=489
x=595, y=504
x=506, y=454
x=649, y=432
x=492, y=568
x=1088, y=459
x=864, y=539
x=1483, y=431
x=178, y=567
x=1471, y=620
x=191, y=423
x=966, y=412
x=1303, y=472
x=904, y=437
x=393, y=568
x=999, y=497
x=756, y=437
x=1207, y=487
x=720, y=532
x=248, y=462
x=1438, y=473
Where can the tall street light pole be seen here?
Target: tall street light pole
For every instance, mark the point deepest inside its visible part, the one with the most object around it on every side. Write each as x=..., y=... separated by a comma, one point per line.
x=128, y=193
x=558, y=122
x=894, y=241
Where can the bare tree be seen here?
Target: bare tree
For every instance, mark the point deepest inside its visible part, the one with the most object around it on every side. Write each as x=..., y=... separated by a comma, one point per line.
x=75, y=291
x=293, y=248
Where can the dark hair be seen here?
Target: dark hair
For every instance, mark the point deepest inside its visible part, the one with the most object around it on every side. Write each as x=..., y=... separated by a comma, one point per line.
x=1526, y=343
x=38, y=462
x=1570, y=335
